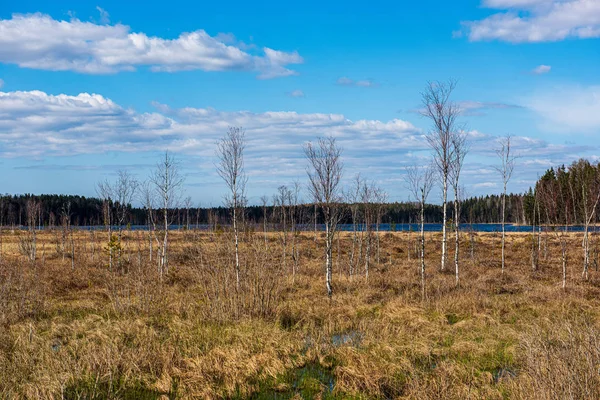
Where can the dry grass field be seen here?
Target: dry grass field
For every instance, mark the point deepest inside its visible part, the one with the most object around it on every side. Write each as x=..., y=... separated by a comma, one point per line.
x=79, y=331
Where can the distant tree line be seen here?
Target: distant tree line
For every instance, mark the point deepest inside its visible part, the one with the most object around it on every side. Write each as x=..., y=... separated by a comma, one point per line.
x=88, y=211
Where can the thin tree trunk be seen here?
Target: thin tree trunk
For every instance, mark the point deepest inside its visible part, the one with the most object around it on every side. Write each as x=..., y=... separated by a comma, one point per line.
x=164, y=260
x=503, y=228
x=408, y=245
x=237, y=257
x=423, y=282
x=328, y=258
x=564, y=263
x=456, y=238
x=368, y=255
x=445, y=194
x=377, y=238
x=72, y=250
x=337, y=261
x=265, y=227
x=586, y=252
x=315, y=222
x=93, y=243
x=351, y=269
x=110, y=249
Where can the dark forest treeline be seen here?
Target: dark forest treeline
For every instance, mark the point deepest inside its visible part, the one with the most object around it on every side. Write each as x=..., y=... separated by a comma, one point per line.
x=83, y=211
x=565, y=195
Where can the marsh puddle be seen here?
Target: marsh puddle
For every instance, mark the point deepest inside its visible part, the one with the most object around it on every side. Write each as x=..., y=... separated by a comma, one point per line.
x=118, y=389
x=350, y=338
x=308, y=382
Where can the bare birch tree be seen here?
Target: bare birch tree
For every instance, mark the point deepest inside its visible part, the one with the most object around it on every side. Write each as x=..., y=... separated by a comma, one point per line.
x=147, y=196
x=586, y=178
x=420, y=182
x=294, y=218
x=443, y=113
x=553, y=190
x=230, y=167
x=28, y=244
x=118, y=196
x=124, y=190
x=324, y=174
x=168, y=185
x=281, y=201
x=104, y=191
x=460, y=148
x=381, y=198
x=187, y=203
x=264, y=201
x=506, y=168
x=66, y=216
x=352, y=197
x=369, y=207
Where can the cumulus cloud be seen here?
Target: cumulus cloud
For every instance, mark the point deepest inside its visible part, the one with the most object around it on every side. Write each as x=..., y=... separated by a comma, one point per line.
x=40, y=42
x=345, y=81
x=537, y=21
x=37, y=125
x=541, y=69
x=484, y=144
x=229, y=38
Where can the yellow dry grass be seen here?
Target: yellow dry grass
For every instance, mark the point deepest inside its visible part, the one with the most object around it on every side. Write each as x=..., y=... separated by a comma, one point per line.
x=91, y=333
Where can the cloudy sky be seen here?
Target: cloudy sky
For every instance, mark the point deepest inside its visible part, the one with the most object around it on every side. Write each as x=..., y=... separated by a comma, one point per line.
x=88, y=88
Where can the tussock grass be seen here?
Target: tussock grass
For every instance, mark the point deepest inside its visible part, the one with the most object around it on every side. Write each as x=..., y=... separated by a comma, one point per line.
x=90, y=333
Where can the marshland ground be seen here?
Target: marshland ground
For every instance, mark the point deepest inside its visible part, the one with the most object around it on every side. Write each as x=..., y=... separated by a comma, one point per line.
x=71, y=328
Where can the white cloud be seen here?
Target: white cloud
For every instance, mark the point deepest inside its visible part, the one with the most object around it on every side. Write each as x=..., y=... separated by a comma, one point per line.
x=37, y=125
x=345, y=81
x=537, y=21
x=485, y=185
x=365, y=83
x=229, y=38
x=567, y=109
x=104, y=15
x=477, y=108
x=541, y=69
x=296, y=93
x=472, y=108
x=526, y=147
x=40, y=42
x=504, y=4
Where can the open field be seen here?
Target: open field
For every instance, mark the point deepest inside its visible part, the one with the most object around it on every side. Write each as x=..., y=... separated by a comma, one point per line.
x=77, y=330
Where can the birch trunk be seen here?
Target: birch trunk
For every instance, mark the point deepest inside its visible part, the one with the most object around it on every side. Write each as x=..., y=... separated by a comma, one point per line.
x=445, y=194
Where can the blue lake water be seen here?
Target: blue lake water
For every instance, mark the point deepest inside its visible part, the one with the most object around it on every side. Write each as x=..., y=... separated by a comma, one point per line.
x=382, y=227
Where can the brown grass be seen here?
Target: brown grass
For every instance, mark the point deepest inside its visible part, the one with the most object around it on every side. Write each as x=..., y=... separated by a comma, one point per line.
x=91, y=333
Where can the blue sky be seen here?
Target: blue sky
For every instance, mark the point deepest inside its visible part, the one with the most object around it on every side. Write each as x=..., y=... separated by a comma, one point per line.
x=92, y=87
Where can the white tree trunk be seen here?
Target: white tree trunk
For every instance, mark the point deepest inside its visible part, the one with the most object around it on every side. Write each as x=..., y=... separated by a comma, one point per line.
x=456, y=240
x=503, y=221
x=445, y=194
x=237, y=256
x=423, y=290
x=329, y=240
